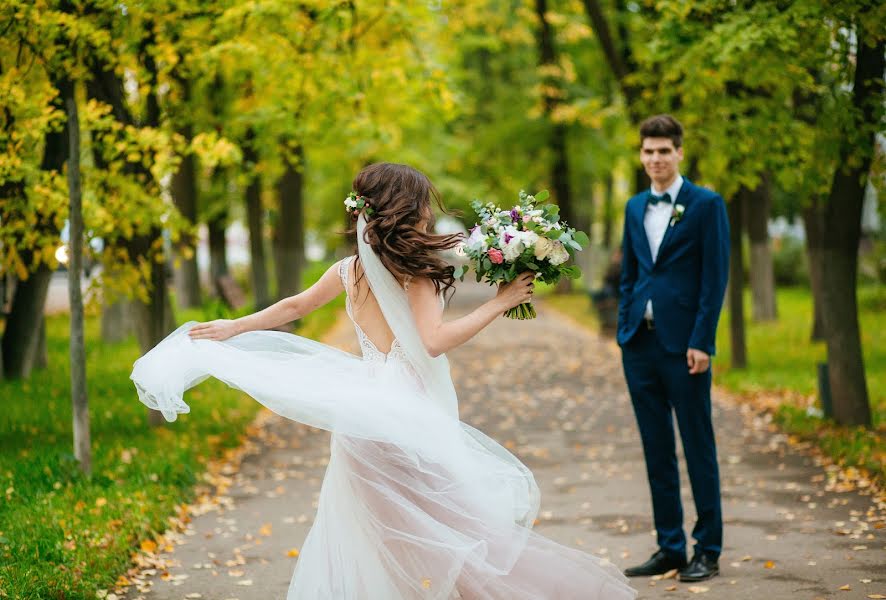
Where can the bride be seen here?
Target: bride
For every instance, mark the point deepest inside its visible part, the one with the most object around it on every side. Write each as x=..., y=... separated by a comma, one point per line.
x=414, y=504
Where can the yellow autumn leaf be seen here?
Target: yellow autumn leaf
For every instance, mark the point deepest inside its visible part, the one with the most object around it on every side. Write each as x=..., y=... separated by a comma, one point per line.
x=769, y=564
x=265, y=529
x=149, y=546
x=101, y=502
x=292, y=553
x=426, y=583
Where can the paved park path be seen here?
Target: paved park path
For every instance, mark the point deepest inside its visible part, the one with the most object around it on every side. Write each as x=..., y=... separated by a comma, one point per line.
x=554, y=394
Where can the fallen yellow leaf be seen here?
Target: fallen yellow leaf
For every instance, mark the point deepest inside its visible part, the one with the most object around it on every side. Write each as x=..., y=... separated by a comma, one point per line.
x=698, y=589
x=265, y=529
x=769, y=564
x=149, y=546
x=845, y=588
x=426, y=583
x=292, y=553
x=101, y=502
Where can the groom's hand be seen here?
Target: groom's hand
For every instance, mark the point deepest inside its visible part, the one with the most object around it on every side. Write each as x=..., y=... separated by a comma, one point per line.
x=698, y=361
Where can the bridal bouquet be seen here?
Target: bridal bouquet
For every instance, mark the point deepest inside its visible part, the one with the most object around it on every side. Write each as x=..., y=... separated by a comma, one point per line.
x=528, y=237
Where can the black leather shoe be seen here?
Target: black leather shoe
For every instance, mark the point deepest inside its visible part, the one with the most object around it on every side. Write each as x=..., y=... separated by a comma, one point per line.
x=659, y=564
x=701, y=568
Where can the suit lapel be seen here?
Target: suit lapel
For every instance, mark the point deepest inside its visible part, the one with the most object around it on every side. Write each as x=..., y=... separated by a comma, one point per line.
x=682, y=198
x=639, y=210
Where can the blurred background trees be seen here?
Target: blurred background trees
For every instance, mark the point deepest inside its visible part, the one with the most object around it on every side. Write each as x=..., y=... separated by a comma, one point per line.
x=219, y=138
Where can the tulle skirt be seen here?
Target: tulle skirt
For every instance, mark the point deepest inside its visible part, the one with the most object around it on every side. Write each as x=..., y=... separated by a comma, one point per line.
x=414, y=504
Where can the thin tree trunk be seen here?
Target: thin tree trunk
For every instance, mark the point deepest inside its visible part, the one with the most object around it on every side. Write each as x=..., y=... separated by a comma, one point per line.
x=762, y=273
x=608, y=212
x=79, y=398
x=184, y=194
x=255, y=218
x=21, y=339
x=846, y=372
x=736, y=282
x=218, y=255
x=289, y=232
x=813, y=223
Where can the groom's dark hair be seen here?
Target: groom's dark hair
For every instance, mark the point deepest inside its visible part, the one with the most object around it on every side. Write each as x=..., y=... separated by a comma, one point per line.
x=662, y=126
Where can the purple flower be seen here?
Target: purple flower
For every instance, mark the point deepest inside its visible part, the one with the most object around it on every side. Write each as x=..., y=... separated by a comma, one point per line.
x=508, y=238
x=515, y=215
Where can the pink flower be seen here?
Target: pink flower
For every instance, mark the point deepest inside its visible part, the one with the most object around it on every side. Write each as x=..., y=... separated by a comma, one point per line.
x=496, y=256
x=526, y=218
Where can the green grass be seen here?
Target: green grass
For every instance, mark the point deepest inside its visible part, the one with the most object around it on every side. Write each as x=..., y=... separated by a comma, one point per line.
x=782, y=363
x=782, y=357
x=63, y=535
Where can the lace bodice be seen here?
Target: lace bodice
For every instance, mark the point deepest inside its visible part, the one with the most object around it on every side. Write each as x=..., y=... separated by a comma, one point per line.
x=367, y=348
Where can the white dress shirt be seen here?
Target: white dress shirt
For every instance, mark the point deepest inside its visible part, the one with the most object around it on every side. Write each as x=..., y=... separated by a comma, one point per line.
x=656, y=221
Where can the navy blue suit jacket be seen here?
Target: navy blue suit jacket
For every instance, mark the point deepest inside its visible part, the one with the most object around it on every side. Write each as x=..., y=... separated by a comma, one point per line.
x=687, y=281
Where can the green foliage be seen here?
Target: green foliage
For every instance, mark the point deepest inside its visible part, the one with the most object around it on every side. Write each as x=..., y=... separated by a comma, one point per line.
x=787, y=114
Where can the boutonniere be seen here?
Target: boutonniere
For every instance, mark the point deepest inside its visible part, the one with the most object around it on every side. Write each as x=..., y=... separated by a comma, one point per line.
x=677, y=214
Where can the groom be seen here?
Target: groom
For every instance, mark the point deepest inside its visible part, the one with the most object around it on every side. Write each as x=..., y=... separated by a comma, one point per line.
x=674, y=271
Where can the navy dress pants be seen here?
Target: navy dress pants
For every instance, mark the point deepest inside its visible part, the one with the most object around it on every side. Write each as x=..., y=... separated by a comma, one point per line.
x=661, y=386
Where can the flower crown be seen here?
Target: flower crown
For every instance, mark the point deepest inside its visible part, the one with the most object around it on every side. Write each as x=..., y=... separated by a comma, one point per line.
x=355, y=203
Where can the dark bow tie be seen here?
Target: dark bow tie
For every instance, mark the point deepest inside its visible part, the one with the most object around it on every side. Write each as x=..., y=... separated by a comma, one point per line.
x=653, y=199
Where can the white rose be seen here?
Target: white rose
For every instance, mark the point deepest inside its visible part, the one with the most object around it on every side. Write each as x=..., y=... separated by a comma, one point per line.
x=543, y=248
x=559, y=254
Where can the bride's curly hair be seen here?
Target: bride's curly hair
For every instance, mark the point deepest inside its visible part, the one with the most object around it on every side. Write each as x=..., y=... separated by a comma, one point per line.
x=402, y=221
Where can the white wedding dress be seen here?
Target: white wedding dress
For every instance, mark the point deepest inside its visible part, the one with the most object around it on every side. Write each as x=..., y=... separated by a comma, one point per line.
x=414, y=504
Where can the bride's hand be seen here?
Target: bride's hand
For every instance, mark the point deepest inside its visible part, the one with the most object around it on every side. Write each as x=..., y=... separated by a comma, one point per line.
x=218, y=330
x=516, y=292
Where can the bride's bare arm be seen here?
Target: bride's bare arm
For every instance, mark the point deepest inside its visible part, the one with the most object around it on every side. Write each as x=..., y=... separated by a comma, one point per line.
x=440, y=337
x=289, y=309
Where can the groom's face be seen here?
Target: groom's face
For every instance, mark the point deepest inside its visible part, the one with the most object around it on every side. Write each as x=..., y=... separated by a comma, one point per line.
x=660, y=158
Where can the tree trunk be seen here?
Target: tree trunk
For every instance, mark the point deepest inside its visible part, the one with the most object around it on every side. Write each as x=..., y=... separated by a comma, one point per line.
x=762, y=273
x=559, y=168
x=255, y=218
x=608, y=213
x=736, y=282
x=184, y=194
x=117, y=321
x=289, y=233
x=21, y=337
x=79, y=398
x=218, y=256
x=41, y=359
x=849, y=392
x=813, y=223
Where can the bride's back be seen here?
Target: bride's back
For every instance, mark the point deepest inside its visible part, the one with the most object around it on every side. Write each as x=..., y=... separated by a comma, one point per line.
x=365, y=310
